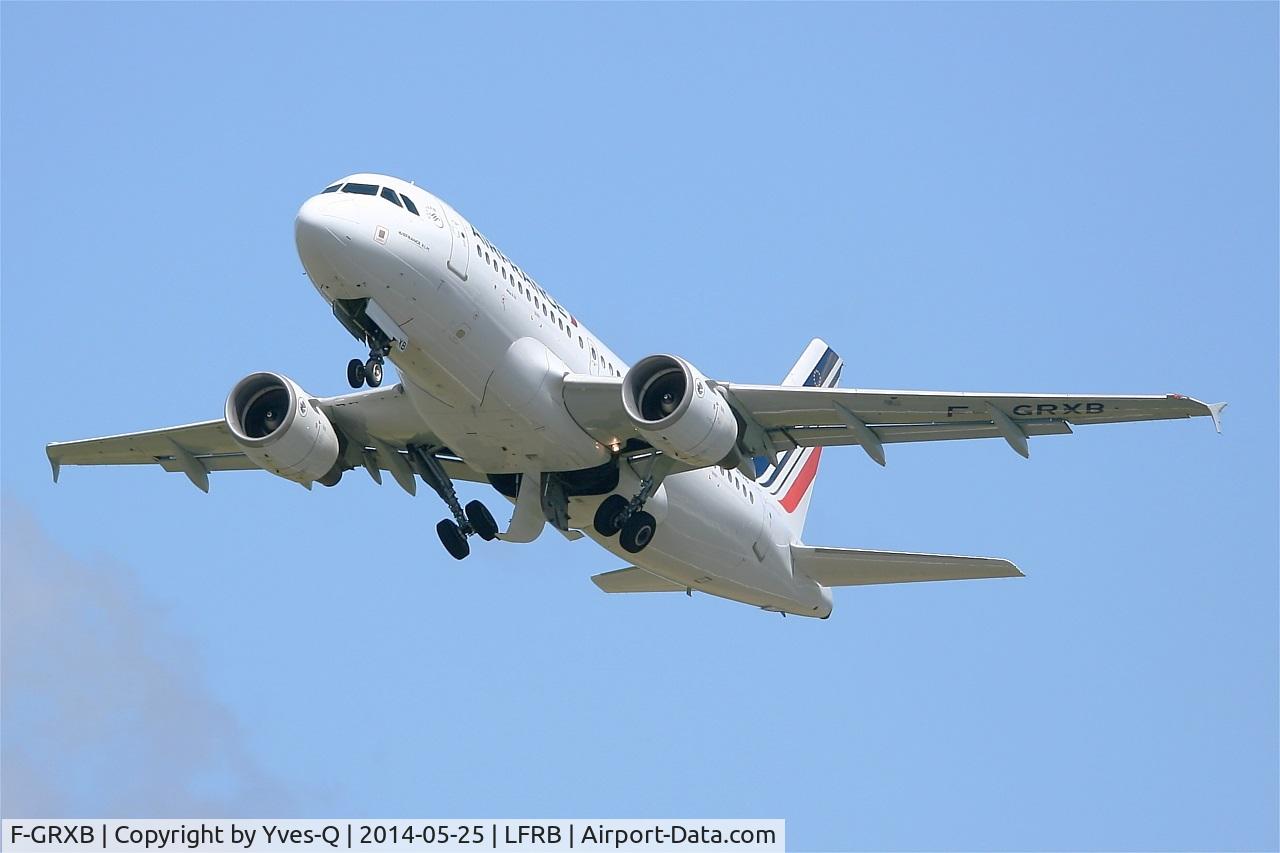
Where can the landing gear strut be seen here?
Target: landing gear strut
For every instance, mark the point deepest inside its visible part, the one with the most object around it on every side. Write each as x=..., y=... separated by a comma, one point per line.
x=628, y=518
x=370, y=371
x=475, y=518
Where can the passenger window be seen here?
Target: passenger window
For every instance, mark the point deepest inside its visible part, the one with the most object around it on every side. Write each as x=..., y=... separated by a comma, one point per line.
x=390, y=195
x=332, y=189
x=580, y=343
x=408, y=202
x=361, y=189
x=478, y=252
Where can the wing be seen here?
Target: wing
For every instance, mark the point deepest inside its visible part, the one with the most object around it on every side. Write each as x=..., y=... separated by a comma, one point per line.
x=378, y=425
x=819, y=417
x=853, y=567
x=776, y=418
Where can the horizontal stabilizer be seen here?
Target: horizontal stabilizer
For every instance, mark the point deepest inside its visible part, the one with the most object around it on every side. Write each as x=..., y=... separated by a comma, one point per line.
x=633, y=579
x=854, y=567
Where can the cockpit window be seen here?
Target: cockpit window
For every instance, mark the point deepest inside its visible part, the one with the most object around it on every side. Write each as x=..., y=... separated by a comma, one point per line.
x=332, y=189
x=361, y=189
x=408, y=202
x=390, y=195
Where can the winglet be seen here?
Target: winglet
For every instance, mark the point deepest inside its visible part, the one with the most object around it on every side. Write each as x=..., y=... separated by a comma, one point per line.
x=53, y=462
x=1215, y=412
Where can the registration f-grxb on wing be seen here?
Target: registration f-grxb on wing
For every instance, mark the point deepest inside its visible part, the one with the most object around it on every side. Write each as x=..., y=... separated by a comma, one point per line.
x=698, y=484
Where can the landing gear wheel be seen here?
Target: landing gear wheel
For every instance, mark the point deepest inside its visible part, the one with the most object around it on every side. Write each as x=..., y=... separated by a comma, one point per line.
x=355, y=373
x=481, y=521
x=453, y=539
x=638, y=532
x=606, y=520
x=373, y=372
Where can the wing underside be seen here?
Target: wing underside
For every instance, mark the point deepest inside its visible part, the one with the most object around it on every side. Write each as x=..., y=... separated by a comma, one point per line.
x=779, y=417
x=379, y=427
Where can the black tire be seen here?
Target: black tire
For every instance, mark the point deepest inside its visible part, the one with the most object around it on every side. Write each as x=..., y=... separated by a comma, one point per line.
x=453, y=539
x=606, y=520
x=481, y=521
x=373, y=372
x=355, y=373
x=638, y=532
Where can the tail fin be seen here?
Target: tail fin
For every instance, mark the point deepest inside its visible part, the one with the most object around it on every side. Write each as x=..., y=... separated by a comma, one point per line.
x=790, y=481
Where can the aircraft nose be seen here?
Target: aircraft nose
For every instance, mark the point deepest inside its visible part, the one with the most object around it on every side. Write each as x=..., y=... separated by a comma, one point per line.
x=314, y=220
x=322, y=230
x=325, y=224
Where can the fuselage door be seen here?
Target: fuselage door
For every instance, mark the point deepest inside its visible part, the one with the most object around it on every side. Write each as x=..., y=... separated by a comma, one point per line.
x=460, y=251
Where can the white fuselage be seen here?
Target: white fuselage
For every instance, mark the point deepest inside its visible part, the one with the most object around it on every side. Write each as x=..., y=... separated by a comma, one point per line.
x=467, y=312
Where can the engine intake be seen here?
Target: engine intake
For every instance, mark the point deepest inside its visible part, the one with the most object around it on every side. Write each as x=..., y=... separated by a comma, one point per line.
x=679, y=412
x=272, y=420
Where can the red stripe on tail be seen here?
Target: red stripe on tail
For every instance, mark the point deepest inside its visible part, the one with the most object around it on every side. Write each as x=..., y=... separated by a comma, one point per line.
x=803, y=480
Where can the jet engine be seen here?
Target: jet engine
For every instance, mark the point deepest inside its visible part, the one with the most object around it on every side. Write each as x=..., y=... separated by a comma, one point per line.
x=678, y=411
x=277, y=426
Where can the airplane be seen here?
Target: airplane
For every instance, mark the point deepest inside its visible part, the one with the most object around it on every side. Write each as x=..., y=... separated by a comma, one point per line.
x=698, y=484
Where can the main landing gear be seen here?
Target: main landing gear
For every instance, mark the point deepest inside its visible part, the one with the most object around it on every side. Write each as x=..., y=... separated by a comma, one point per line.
x=474, y=518
x=370, y=371
x=627, y=518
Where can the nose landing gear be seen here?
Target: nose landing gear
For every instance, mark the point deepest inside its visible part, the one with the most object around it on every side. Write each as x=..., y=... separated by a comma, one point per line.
x=370, y=371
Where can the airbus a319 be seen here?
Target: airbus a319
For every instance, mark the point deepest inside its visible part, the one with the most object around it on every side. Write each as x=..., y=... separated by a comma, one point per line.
x=699, y=484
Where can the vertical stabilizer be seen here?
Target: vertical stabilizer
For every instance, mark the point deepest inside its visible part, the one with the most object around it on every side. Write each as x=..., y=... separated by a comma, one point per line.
x=790, y=481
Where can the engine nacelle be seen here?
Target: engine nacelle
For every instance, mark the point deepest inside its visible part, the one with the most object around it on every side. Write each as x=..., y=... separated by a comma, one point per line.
x=678, y=411
x=274, y=422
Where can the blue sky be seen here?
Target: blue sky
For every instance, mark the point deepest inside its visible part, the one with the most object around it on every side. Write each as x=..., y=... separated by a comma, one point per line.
x=982, y=197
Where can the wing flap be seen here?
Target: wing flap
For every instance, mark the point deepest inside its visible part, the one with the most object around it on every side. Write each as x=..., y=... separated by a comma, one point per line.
x=828, y=436
x=855, y=567
x=633, y=579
